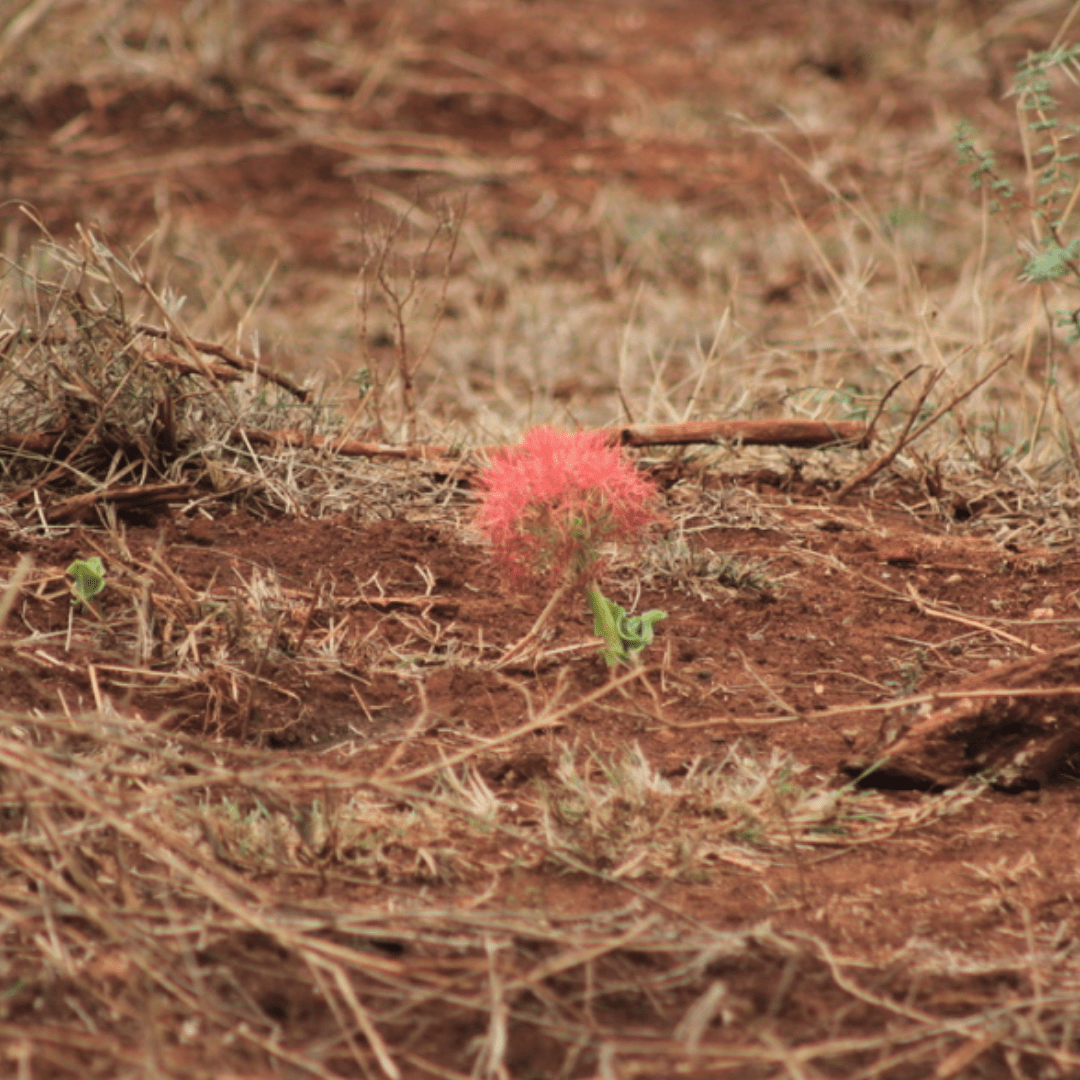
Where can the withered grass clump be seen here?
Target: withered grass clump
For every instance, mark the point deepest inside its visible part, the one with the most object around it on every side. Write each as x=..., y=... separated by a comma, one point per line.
x=89, y=395
x=108, y=404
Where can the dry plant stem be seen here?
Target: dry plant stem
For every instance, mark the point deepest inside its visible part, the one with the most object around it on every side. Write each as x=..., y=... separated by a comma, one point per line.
x=141, y=496
x=756, y=676
x=401, y=299
x=657, y=702
x=11, y=591
x=35, y=442
x=926, y=608
x=363, y=1021
x=905, y=439
x=540, y=723
x=886, y=459
x=858, y=992
x=404, y=741
x=533, y=636
x=869, y=707
x=334, y=444
x=234, y=360
x=805, y=434
x=872, y=425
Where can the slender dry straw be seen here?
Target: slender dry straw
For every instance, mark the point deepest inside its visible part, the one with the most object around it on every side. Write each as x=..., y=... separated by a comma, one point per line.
x=907, y=436
x=517, y=653
x=11, y=590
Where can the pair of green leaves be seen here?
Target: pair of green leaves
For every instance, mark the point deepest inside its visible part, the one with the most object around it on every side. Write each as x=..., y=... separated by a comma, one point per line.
x=624, y=635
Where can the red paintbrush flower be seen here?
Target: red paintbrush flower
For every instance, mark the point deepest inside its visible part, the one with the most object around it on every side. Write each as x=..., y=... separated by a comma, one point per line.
x=549, y=504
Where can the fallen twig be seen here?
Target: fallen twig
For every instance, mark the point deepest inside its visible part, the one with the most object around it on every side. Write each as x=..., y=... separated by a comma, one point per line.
x=927, y=608
x=126, y=496
x=234, y=360
x=807, y=434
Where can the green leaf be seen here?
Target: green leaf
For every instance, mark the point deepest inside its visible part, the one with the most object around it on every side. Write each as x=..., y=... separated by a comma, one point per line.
x=89, y=575
x=606, y=614
x=624, y=635
x=636, y=631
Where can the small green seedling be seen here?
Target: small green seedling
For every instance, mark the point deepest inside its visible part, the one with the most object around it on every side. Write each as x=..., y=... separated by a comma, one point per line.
x=89, y=575
x=624, y=635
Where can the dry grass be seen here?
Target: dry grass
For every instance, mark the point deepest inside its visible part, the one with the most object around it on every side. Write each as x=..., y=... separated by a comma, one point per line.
x=922, y=277
x=108, y=399
x=152, y=873
x=181, y=904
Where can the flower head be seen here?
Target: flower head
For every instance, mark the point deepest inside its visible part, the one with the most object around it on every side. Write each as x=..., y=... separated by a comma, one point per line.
x=549, y=504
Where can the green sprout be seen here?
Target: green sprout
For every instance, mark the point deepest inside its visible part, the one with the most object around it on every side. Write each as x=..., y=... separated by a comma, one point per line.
x=89, y=575
x=624, y=635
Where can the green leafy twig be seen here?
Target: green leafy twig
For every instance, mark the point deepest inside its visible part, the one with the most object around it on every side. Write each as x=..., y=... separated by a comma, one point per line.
x=1052, y=165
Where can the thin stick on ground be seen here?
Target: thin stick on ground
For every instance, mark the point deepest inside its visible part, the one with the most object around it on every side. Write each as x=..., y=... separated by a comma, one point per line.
x=514, y=653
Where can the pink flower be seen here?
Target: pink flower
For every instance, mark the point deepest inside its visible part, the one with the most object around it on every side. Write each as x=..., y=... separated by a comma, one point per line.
x=549, y=504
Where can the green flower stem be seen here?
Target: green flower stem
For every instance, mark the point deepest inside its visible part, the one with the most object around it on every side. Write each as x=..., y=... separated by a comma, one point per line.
x=605, y=624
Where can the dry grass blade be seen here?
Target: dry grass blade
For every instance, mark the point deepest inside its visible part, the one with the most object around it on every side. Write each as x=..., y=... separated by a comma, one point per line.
x=11, y=589
x=907, y=436
x=363, y=1020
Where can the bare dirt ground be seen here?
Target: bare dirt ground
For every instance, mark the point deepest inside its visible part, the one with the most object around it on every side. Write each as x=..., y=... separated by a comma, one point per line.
x=270, y=804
